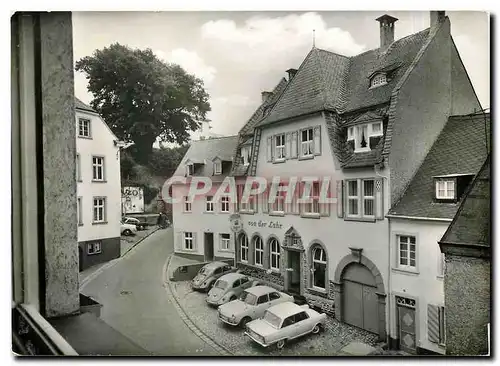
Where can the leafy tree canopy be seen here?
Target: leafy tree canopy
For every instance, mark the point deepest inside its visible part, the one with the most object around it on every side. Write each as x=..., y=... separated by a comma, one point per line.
x=142, y=98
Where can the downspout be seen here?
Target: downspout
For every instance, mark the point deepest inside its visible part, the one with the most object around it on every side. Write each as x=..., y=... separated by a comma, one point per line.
x=377, y=168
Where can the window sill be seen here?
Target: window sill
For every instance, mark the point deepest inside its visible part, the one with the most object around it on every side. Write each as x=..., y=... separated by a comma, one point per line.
x=377, y=86
x=209, y=212
x=277, y=213
x=317, y=291
x=85, y=137
x=440, y=277
x=99, y=181
x=279, y=161
x=94, y=253
x=406, y=271
x=226, y=250
x=187, y=250
x=224, y=212
x=247, y=212
x=100, y=223
x=310, y=215
x=359, y=218
x=80, y=224
x=79, y=181
x=306, y=157
x=362, y=150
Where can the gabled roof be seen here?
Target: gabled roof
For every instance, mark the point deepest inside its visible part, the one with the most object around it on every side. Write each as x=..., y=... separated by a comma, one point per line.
x=461, y=148
x=471, y=224
x=80, y=105
x=201, y=150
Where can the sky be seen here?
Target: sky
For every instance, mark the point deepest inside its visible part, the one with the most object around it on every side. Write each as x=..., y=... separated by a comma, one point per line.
x=240, y=54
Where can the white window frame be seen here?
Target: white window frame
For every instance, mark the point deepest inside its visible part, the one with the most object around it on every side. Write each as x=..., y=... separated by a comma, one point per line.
x=209, y=204
x=258, y=251
x=359, y=131
x=323, y=260
x=307, y=145
x=379, y=131
x=407, y=242
x=245, y=153
x=350, y=133
x=312, y=207
x=217, y=168
x=275, y=256
x=189, y=170
x=84, y=125
x=94, y=247
x=98, y=167
x=79, y=211
x=378, y=80
x=187, y=204
x=365, y=197
x=446, y=183
x=96, y=206
x=360, y=199
x=224, y=204
x=243, y=243
x=279, y=150
x=225, y=242
x=188, y=242
x=351, y=197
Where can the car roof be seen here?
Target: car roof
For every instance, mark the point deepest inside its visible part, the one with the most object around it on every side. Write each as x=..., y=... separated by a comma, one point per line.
x=231, y=277
x=213, y=265
x=285, y=309
x=260, y=290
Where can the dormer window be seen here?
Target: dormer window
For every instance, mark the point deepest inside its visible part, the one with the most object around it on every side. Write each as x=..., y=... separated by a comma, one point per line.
x=451, y=187
x=190, y=170
x=217, y=168
x=365, y=137
x=445, y=189
x=378, y=80
x=245, y=153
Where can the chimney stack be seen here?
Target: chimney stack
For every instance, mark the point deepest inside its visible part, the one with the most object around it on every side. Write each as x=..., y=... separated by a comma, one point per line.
x=437, y=17
x=291, y=73
x=386, y=30
x=266, y=95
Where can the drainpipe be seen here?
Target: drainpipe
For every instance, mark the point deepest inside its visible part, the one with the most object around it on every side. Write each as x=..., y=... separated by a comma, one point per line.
x=377, y=168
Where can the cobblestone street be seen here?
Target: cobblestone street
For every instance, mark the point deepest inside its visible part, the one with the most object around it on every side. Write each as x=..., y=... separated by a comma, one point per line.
x=328, y=343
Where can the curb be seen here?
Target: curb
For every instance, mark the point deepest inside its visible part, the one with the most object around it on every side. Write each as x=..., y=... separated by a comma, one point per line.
x=138, y=242
x=185, y=317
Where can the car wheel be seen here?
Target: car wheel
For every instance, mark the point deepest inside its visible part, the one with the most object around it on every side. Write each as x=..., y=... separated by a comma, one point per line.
x=210, y=285
x=245, y=321
x=280, y=344
x=127, y=232
x=316, y=329
x=232, y=298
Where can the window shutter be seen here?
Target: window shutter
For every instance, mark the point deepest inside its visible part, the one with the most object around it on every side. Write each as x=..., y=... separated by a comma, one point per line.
x=264, y=197
x=379, y=199
x=287, y=206
x=269, y=150
x=195, y=242
x=293, y=154
x=301, y=193
x=288, y=145
x=317, y=140
x=179, y=243
x=324, y=207
x=433, y=323
x=340, y=198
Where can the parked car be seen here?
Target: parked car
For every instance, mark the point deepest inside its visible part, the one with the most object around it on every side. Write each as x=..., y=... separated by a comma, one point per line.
x=209, y=273
x=128, y=229
x=284, y=322
x=133, y=221
x=251, y=305
x=228, y=288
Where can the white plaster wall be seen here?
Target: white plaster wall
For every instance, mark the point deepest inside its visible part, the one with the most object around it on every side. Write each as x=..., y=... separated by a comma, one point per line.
x=426, y=287
x=102, y=144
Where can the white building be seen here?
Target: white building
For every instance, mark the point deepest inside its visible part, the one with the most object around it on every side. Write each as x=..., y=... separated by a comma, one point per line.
x=419, y=220
x=98, y=188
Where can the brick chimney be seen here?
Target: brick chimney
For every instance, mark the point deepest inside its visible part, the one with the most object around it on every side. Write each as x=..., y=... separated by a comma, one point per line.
x=291, y=73
x=386, y=30
x=266, y=95
x=437, y=17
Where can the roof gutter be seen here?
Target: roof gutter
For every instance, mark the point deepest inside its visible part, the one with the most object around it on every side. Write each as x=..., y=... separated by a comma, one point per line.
x=420, y=218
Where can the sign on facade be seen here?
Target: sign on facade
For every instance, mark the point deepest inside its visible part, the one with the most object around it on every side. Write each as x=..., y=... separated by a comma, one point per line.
x=236, y=223
x=132, y=200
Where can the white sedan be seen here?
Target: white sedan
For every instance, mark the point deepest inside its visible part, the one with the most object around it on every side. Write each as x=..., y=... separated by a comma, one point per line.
x=284, y=322
x=251, y=305
x=128, y=229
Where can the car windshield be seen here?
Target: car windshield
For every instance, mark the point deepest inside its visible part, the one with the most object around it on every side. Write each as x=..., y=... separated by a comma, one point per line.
x=221, y=284
x=272, y=319
x=248, y=298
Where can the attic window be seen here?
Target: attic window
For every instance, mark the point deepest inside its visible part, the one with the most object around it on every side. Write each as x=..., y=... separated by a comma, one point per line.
x=445, y=189
x=378, y=80
x=365, y=137
x=190, y=169
x=245, y=153
x=218, y=168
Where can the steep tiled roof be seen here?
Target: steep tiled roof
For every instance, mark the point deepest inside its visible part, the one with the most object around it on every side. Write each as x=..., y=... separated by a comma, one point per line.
x=471, y=224
x=205, y=151
x=80, y=105
x=461, y=148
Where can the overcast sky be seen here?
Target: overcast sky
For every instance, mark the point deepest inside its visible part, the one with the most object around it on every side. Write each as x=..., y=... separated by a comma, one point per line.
x=241, y=54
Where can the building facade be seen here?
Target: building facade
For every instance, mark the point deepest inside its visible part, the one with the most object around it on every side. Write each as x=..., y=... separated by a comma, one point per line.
x=98, y=188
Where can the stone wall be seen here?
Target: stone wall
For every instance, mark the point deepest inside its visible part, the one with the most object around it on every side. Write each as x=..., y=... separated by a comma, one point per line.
x=467, y=304
x=272, y=278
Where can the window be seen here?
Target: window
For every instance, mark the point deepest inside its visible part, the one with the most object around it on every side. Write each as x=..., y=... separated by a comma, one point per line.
x=249, y=205
x=407, y=252
x=368, y=198
x=361, y=141
x=94, y=248
x=245, y=153
x=312, y=207
x=306, y=142
x=259, y=251
x=301, y=316
x=263, y=299
x=190, y=170
x=361, y=199
x=288, y=321
x=445, y=189
x=379, y=79
x=79, y=211
x=319, y=268
x=217, y=168
x=187, y=204
x=350, y=133
x=83, y=127
x=225, y=204
x=243, y=248
x=210, y=204
x=78, y=168
x=280, y=147
x=274, y=296
x=188, y=241
x=352, y=198
x=275, y=254
x=225, y=241
x=99, y=209
x=376, y=128
x=278, y=204
x=98, y=168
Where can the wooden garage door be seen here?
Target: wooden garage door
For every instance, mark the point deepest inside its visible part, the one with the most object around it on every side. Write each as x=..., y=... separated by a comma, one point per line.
x=360, y=298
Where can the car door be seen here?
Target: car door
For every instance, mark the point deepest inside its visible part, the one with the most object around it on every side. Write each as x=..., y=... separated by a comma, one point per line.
x=227, y=269
x=275, y=298
x=262, y=305
x=287, y=330
x=303, y=323
x=235, y=287
x=244, y=284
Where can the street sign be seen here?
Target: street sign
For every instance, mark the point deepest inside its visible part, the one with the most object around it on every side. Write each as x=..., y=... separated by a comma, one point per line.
x=236, y=223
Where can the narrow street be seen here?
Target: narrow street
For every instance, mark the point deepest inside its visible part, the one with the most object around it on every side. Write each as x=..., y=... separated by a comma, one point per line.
x=136, y=304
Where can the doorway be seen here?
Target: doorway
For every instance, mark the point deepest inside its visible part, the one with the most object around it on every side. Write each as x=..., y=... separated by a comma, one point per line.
x=208, y=244
x=293, y=271
x=406, y=324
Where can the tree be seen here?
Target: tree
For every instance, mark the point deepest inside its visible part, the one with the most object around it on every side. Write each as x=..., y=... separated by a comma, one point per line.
x=164, y=161
x=142, y=98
